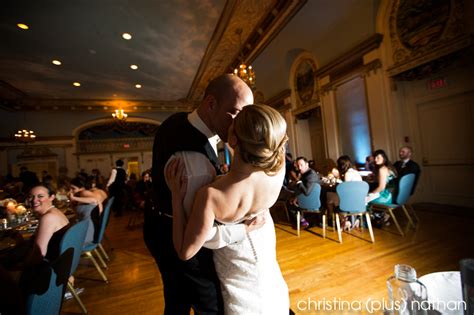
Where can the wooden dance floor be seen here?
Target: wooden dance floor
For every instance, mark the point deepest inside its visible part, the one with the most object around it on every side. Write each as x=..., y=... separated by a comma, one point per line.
x=315, y=269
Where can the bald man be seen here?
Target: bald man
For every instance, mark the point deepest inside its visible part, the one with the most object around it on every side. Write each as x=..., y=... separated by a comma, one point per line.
x=193, y=283
x=406, y=165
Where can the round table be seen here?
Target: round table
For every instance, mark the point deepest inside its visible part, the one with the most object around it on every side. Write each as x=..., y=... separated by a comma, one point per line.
x=444, y=291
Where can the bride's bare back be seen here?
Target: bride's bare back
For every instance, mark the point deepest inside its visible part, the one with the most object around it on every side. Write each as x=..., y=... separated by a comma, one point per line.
x=238, y=195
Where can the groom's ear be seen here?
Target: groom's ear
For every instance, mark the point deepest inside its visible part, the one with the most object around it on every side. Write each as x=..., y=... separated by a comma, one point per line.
x=211, y=102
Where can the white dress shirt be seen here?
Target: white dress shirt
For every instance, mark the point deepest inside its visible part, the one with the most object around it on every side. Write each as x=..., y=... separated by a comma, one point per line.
x=200, y=172
x=197, y=123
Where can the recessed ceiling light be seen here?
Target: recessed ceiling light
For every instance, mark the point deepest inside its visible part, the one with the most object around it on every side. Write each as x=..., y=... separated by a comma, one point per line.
x=135, y=108
x=76, y=84
x=138, y=86
x=56, y=62
x=23, y=26
x=134, y=67
x=126, y=36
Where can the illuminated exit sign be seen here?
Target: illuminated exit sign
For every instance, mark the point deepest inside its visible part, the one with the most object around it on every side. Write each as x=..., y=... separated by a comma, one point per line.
x=438, y=83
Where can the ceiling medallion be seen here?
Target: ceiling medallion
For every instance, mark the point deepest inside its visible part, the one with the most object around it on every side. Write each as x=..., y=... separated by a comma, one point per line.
x=243, y=71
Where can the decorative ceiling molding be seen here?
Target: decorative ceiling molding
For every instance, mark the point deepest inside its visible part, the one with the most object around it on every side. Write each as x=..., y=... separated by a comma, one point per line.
x=260, y=22
x=71, y=105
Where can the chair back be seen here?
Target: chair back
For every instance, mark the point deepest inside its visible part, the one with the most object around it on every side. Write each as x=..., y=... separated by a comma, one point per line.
x=105, y=220
x=352, y=196
x=74, y=238
x=405, y=186
x=312, y=202
x=55, y=275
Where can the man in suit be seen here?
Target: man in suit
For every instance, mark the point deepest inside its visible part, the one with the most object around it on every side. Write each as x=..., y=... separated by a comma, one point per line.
x=192, y=283
x=308, y=178
x=407, y=166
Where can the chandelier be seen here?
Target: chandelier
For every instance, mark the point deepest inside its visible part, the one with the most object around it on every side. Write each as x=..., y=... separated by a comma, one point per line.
x=119, y=115
x=25, y=136
x=243, y=71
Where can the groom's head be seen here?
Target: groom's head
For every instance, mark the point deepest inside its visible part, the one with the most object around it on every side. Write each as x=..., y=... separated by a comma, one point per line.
x=224, y=98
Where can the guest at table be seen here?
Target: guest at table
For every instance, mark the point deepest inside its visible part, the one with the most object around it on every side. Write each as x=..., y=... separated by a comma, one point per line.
x=369, y=163
x=406, y=165
x=308, y=178
x=143, y=190
x=385, y=175
x=28, y=178
x=51, y=227
x=90, y=205
x=347, y=173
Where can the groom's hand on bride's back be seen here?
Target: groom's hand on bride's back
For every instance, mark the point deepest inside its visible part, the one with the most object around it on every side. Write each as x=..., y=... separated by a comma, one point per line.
x=255, y=223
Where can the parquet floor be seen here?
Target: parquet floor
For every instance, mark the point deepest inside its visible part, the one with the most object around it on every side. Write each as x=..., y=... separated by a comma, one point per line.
x=315, y=269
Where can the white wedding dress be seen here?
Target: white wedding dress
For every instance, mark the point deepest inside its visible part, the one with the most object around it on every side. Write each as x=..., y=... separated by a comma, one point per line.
x=250, y=277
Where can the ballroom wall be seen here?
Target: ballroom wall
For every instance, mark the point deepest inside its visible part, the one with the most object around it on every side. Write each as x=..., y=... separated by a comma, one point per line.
x=396, y=109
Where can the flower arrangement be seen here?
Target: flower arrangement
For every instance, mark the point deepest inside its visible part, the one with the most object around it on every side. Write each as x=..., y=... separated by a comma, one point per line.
x=12, y=207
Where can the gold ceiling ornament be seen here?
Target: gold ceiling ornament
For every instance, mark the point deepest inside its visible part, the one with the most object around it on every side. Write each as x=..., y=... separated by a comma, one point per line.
x=25, y=136
x=119, y=115
x=244, y=71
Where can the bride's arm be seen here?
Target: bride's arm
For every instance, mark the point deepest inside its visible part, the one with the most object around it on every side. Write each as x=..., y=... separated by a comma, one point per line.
x=188, y=238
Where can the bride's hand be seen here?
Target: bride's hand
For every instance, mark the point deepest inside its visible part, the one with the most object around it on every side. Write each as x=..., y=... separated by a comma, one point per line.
x=255, y=223
x=176, y=178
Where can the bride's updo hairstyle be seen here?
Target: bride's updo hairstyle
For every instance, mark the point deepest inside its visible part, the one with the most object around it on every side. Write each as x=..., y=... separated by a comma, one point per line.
x=261, y=137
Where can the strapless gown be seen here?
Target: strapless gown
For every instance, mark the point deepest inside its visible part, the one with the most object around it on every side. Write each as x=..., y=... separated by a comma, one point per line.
x=251, y=279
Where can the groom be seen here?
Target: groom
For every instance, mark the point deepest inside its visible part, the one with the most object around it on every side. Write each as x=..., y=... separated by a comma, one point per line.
x=193, y=283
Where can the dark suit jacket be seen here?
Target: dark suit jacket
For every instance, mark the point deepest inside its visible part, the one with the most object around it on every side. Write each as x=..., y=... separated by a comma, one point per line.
x=306, y=183
x=411, y=167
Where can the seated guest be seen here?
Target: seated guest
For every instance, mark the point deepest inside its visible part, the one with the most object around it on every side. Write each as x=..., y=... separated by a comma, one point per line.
x=46, y=240
x=143, y=190
x=308, y=178
x=90, y=205
x=406, y=165
x=385, y=175
x=52, y=224
x=347, y=173
x=369, y=163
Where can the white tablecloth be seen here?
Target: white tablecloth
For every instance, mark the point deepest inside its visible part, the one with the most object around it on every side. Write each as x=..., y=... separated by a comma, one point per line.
x=444, y=291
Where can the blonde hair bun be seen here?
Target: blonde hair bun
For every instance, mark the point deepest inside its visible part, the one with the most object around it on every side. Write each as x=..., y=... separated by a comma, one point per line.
x=261, y=134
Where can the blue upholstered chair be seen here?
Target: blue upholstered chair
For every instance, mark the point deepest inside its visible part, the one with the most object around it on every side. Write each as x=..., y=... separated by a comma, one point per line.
x=352, y=202
x=55, y=276
x=310, y=204
x=405, y=186
x=90, y=248
x=74, y=238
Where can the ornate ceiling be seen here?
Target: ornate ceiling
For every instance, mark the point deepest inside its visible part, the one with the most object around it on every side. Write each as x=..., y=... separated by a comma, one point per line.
x=178, y=46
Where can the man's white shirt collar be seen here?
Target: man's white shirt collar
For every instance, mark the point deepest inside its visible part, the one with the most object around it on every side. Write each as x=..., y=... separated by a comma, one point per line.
x=197, y=123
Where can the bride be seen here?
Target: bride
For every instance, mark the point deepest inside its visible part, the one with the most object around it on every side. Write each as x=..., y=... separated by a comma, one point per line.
x=251, y=280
